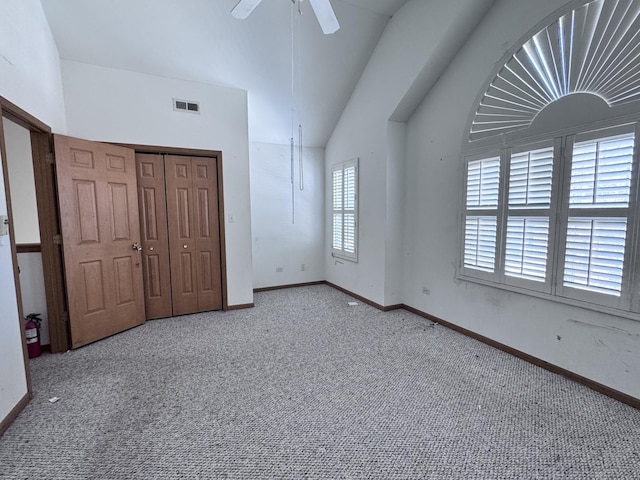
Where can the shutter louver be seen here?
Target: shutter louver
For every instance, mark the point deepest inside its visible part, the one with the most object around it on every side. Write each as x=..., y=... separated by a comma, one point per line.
x=601, y=173
x=595, y=254
x=480, y=243
x=337, y=189
x=483, y=182
x=337, y=231
x=349, y=227
x=350, y=188
x=526, y=247
x=530, y=179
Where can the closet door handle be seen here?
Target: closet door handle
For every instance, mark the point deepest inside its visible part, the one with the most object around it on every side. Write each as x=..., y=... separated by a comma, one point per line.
x=185, y=246
x=136, y=247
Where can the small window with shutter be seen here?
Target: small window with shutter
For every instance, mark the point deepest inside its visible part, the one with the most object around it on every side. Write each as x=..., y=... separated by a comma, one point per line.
x=344, y=181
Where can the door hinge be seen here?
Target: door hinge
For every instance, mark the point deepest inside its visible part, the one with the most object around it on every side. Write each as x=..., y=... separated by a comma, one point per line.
x=50, y=159
x=57, y=239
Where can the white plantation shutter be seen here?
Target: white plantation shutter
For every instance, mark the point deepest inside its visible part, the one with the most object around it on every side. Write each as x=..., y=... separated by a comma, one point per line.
x=526, y=247
x=530, y=179
x=337, y=207
x=337, y=231
x=480, y=243
x=600, y=190
x=595, y=254
x=481, y=220
x=601, y=173
x=337, y=189
x=529, y=204
x=483, y=182
x=344, y=204
x=349, y=233
x=558, y=218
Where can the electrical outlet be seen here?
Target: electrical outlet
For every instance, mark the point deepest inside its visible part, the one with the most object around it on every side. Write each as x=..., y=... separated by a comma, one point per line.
x=278, y=269
x=4, y=225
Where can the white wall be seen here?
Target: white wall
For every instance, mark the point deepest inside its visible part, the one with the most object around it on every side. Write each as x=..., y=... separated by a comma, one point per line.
x=30, y=73
x=23, y=187
x=25, y=221
x=416, y=45
x=106, y=104
x=601, y=347
x=277, y=241
x=29, y=62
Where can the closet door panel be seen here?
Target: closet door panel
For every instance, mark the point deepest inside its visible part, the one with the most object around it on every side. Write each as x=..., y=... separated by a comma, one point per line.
x=154, y=235
x=182, y=233
x=207, y=233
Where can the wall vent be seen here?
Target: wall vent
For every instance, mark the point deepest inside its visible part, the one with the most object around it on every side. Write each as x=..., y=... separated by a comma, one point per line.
x=186, y=106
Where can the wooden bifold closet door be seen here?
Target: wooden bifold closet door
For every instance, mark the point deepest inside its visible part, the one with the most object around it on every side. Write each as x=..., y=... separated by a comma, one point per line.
x=155, y=238
x=180, y=234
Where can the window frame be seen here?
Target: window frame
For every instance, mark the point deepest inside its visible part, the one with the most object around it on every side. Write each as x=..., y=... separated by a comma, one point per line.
x=546, y=285
x=342, y=253
x=628, y=303
x=624, y=301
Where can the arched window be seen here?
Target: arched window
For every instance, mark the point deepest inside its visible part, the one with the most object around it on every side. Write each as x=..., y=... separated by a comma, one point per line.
x=551, y=174
x=594, y=49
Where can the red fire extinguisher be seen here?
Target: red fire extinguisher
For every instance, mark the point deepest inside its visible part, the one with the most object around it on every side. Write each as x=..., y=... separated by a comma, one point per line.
x=32, y=332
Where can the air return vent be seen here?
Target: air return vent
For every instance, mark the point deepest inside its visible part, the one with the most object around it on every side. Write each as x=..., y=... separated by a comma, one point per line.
x=186, y=106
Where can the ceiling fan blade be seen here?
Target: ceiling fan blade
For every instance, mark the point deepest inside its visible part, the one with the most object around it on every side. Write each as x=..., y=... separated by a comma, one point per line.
x=244, y=8
x=326, y=16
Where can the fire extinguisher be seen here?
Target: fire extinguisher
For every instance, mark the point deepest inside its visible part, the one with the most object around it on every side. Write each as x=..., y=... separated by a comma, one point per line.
x=32, y=332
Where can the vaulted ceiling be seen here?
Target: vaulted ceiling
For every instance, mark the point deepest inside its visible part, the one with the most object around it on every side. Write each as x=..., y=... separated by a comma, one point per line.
x=198, y=40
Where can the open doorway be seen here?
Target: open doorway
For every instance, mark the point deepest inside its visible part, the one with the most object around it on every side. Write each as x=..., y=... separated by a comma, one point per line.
x=30, y=170
x=25, y=223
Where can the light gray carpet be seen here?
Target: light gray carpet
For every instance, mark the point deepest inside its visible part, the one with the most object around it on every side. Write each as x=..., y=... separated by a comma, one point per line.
x=304, y=386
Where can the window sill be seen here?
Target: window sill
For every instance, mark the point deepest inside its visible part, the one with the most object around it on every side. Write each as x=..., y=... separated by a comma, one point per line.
x=337, y=256
x=554, y=298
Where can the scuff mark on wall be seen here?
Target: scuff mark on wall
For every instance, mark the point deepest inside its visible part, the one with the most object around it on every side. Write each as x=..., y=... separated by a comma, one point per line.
x=456, y=280
x=494, y=301
x=605, y=327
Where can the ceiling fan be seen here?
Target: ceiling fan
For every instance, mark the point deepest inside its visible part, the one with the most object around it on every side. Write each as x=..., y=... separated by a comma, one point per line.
x=322, y=8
